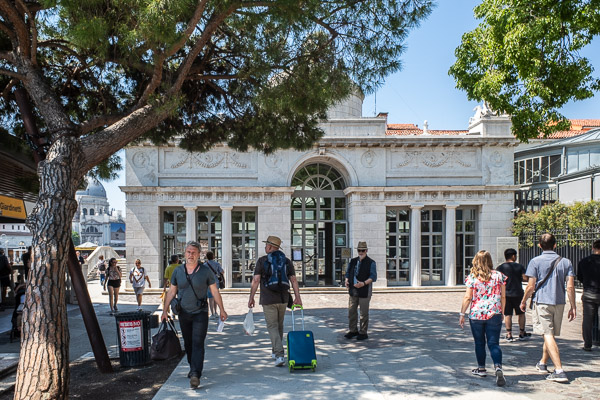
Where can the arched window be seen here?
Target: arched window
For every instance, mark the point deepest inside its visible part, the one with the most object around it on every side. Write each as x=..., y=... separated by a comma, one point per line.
x=318, y=177
x=91, y=211
x=85, y=211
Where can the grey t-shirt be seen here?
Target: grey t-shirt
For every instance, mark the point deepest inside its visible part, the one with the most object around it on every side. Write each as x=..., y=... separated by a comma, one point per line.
x=201, y=279
x=553, y=291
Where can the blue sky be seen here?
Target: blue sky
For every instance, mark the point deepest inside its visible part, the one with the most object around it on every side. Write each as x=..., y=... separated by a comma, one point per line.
x=423, y=90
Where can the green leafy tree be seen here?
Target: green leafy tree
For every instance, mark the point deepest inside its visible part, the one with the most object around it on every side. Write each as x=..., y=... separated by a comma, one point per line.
x=100, y=74
x=524, y=60
x=76, y=238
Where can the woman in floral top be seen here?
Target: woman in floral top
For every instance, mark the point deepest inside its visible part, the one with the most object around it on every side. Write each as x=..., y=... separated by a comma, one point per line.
x=485, y=295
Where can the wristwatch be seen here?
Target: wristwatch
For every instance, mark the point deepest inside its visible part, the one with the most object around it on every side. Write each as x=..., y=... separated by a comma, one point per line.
x=462, y=314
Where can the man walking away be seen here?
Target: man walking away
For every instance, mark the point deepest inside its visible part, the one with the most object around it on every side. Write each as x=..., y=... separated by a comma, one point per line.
x=361, y=273
x=547, y=275
x=588, y=273
x=515, y=274
x=101, y=266
x=275, y=273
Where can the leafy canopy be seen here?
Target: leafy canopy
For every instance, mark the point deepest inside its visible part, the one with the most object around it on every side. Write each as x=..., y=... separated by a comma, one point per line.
x=263, y=73
x=524, y=59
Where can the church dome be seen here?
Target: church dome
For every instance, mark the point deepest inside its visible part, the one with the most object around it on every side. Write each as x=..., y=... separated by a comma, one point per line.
x=94, y=188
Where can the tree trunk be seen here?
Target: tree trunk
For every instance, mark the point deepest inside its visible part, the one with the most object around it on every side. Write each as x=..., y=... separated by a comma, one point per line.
x=43, y=371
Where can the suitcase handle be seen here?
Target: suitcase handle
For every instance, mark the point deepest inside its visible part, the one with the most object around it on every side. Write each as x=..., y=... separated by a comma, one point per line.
x=293, y=320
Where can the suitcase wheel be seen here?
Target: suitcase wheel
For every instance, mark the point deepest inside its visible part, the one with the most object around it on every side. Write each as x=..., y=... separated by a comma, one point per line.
x=314, y=365
x=291, y=365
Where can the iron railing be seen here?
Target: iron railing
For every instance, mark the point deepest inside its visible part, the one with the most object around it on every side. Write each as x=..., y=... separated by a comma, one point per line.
x=574, y=244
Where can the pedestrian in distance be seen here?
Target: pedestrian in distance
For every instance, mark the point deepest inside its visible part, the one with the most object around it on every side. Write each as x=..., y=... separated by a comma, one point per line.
x=5, y=275
x=113, y=282
x=101, y=268
x=216, y=268
x=275, y=274
x=485, y=298
x=191, y=282
x=515, y=276
x=360, y=275
x=138, y=279
x=170, y=268
x=547, y=274
x=588, y=273
x=26, y=259
x=80, y=259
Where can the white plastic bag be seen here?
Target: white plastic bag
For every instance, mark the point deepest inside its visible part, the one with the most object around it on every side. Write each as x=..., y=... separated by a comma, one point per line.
x=249, y=323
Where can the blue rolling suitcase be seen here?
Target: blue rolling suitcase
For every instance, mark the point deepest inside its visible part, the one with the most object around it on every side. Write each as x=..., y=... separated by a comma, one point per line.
x=301, y=346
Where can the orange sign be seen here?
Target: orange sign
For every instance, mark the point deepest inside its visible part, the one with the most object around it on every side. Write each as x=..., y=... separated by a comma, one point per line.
x=12, y=208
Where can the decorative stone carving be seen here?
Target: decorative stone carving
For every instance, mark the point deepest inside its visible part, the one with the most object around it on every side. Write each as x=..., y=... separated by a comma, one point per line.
x=368, y=159
x=433, y=159
x=142, y=161
x=211, y=160
x=273, y=161
x=363, y=196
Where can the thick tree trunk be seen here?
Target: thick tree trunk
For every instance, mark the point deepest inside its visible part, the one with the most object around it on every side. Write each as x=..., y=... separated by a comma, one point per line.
x=43, y=371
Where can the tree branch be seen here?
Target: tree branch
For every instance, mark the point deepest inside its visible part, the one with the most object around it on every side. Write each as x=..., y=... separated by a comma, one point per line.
x=34, y=34
x=199, y=77
x=210, y=29
x=8, y=88
x=100, y=146
x=13, y=74
x=97, y=122
x=160, y=58
x=10, y=12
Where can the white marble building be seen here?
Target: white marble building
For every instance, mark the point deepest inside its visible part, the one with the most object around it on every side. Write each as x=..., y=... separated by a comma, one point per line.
x=425, y=201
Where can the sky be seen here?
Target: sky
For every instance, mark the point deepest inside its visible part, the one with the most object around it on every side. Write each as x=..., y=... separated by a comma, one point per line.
x=423, y=90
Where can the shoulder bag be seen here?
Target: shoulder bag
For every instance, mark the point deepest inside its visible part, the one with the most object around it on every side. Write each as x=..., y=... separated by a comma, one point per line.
x=540, y=284
x=165, y=344
x=218, y=275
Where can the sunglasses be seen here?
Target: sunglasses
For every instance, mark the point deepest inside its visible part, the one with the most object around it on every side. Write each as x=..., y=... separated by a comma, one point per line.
x=362, y=251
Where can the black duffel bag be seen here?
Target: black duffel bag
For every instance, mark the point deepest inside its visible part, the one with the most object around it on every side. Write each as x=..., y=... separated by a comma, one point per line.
x=165, y=344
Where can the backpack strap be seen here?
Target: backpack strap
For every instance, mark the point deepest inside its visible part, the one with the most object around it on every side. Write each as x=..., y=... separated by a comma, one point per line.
x=540, y=284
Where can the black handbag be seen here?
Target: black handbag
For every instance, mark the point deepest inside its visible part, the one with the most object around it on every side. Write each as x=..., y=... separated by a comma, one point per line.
x=219, y=276
x=165, y=344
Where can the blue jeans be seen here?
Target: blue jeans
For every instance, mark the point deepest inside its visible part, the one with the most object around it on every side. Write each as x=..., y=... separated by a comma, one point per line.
x=487, y=329
x=193, y=329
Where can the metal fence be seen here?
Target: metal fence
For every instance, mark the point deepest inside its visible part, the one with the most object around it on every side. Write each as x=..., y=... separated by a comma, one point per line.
x=574, y=244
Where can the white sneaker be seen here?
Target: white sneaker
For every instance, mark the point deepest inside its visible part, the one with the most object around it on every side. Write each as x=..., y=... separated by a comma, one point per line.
x=279, y=362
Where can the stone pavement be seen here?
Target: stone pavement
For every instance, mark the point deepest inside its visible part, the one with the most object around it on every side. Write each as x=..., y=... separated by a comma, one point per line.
x=415, y=350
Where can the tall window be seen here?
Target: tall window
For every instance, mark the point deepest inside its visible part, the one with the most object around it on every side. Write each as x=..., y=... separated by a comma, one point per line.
x=174, y=236
x=245, y=246
x=398, y=247
x=466, y=241
x=319, y=227
x=209, y=231
x=432, y=247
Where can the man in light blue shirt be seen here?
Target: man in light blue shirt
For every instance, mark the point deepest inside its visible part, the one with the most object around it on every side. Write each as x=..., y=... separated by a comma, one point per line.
x=549, y=301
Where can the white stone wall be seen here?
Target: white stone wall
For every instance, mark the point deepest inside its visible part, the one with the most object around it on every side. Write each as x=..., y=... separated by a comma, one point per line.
x=366, y=212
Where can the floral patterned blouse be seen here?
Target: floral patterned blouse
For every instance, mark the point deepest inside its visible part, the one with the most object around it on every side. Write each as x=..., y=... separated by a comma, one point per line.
x=487, y=296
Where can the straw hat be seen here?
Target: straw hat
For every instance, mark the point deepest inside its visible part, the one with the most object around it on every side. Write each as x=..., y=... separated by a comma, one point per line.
x=362, y=246
x=273, y=241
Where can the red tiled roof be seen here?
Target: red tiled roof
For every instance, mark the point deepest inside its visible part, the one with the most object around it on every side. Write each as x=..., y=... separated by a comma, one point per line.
x=578, y=127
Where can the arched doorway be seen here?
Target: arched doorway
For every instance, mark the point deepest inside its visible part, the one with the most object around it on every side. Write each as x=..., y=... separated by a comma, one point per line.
x=319, y=225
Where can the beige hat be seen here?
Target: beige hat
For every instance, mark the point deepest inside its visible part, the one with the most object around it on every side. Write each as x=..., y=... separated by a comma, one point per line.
x=362, y=246
x=273, y=241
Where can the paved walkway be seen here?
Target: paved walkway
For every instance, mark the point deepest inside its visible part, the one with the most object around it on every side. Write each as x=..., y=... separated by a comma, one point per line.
x=415, y=350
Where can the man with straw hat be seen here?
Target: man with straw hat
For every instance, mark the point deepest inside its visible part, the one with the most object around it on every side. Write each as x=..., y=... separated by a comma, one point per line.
x=360, y=275
x=275, y=273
